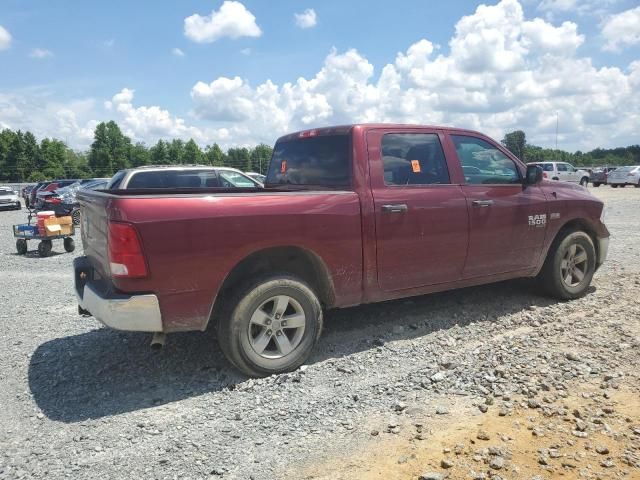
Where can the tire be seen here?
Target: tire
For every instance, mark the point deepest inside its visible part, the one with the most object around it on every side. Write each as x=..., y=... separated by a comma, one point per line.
x=250, y=332
x=637, y=185
x=69, y=244
x=21, y=246
x=75, y=215
x=622, y=185
x=563, y=275
x=596, y=184
x=614, y=186
x=44, y=248
x=584, y=181
x=555, y=178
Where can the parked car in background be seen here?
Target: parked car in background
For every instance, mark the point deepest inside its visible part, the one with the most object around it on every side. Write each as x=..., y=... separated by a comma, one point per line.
x=348, y=215
x=599, y=175
x=34, y=191
x=63, y=201
x=257, y=176
x=49, y=189
x=192, y=176
x=9, y=199
x=623, y=176
x=562, y=171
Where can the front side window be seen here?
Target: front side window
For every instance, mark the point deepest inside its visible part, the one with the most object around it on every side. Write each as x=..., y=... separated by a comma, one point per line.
x=483, y=163
x=314, y=161
x=562, y=167
x=230, y=179
x=413, y=159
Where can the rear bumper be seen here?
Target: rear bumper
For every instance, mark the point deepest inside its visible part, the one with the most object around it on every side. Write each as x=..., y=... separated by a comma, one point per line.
x=138, y=313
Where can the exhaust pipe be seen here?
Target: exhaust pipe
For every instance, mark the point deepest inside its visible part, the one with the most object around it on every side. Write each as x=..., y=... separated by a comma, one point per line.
x=157, y=341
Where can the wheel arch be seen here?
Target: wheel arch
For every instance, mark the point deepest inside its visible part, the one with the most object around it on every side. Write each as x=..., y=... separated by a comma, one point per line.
x=294, y=260
x=572, y=225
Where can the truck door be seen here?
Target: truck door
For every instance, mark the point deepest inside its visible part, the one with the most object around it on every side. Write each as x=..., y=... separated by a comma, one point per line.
x=421, y=218
x=507, y=221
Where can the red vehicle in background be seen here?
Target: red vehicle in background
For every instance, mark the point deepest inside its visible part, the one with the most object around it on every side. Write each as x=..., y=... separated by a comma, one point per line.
x=349, y=215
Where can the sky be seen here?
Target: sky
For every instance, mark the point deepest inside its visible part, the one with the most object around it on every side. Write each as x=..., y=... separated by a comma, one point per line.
x=243, y=72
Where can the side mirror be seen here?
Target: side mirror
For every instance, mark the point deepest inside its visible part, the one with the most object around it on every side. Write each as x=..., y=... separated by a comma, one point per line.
x=534, y=175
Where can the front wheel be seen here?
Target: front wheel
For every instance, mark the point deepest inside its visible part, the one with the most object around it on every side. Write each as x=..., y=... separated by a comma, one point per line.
x=272, y=327
x=614, y=186
x=569, y=267
x=584, y=181
x=637, y=185
x=596, y=184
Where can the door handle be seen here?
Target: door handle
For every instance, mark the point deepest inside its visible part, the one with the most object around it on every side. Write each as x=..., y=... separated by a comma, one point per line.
x=482, y=203
x=395, y=208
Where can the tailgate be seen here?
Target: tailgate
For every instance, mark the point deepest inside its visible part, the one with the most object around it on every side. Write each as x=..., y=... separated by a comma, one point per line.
x=94, y=208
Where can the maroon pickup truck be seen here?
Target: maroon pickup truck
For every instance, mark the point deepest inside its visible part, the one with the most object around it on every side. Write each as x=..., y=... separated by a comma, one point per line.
x=349, y=215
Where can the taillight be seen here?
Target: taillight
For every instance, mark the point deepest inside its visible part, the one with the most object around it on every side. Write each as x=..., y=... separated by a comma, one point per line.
x=544, y=175
x=125, y=251
x=53, y=200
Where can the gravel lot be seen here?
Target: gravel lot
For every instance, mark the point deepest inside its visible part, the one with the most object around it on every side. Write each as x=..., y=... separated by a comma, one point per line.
x=487, y=382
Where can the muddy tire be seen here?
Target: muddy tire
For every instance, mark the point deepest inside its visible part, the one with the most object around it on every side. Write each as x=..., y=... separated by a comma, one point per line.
x=569, y=267
x=271, y=327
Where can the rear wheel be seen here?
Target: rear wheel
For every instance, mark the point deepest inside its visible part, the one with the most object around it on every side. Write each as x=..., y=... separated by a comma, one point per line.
x=569, y=267
x=614, y=185
x=596, y=184
x=44, y=248
x=69, y=244
x=637, y=185
x=75, y=215
x=272, y=327
x=21, y=246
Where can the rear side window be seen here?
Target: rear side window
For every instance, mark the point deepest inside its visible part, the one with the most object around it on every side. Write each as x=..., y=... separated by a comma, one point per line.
x=317, y=161
x=483, y=163
x=116, y=180
x=174, y=179
x=413, y=159
x=547, y=167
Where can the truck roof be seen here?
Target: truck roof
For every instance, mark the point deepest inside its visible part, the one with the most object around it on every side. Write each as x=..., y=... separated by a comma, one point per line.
x=344, y=129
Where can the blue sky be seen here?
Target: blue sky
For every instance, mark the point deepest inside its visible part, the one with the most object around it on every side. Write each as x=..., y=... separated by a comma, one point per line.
x=64, y=60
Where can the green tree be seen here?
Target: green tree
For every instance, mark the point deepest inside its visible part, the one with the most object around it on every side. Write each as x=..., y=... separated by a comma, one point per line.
x=175, y=151
x=109, y=150
x=192, y=153
x=159, y=154
x=260, y=157
x=516, y=143
x=53, y=158
x=214, y=155
x=139, y=155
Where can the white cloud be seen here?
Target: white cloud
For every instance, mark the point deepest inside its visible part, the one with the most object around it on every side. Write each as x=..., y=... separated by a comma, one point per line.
x=622, y=29
x=40, y=53
x=5, y=38
x=177, y=52
x=503, y=72
x=233, y=20
x=306, y=19
x=245, y=51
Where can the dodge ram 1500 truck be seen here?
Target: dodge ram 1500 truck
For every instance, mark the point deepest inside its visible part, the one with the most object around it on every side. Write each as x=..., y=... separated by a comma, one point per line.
x=349, y=215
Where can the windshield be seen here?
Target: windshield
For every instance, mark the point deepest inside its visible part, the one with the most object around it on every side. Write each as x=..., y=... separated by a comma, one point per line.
x=322, y=160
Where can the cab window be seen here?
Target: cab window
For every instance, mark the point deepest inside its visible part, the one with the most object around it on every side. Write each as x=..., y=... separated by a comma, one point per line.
x=482, y=163
x=413, y=159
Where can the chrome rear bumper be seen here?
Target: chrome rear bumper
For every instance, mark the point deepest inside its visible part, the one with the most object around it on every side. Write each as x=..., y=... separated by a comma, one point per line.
x=138, y=313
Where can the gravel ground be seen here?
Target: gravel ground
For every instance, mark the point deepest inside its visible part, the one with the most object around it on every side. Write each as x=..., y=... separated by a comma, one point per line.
x=393, y=391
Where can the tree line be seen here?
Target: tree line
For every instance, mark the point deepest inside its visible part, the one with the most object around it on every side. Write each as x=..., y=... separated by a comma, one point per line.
x=24, y=159
x=516, y=142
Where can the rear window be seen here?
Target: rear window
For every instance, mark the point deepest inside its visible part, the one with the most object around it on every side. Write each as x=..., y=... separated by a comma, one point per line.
x=316, y=161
